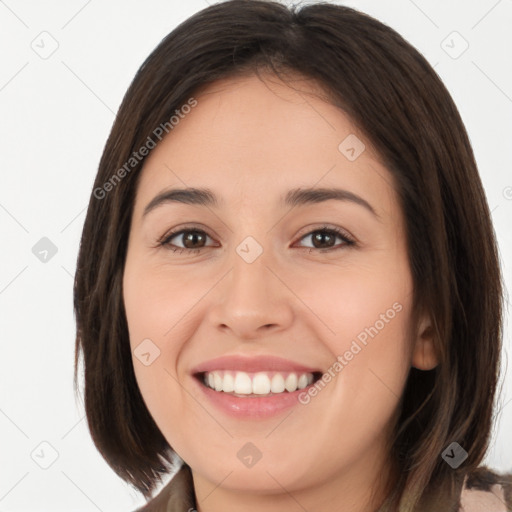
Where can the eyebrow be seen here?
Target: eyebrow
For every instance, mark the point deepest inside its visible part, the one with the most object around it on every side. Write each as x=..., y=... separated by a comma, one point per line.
x=293, y=198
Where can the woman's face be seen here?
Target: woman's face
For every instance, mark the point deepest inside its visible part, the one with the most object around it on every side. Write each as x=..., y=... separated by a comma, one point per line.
x=257, y=275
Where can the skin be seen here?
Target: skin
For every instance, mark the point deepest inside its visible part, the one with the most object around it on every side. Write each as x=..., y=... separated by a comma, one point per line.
x=250, y=141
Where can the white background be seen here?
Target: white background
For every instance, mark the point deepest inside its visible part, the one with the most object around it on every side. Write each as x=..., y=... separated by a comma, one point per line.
x=55, y=116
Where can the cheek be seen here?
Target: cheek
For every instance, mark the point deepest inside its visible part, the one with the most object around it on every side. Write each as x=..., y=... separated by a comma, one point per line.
x=159, y=305
x=157, y=301
x=361, y=389
x=362, y=304
x=366, y=314
x=375, y=354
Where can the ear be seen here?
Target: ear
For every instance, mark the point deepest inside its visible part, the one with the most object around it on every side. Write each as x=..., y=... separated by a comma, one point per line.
x=424, y=356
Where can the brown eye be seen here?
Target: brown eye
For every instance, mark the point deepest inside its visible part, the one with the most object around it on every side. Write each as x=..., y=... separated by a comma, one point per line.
x=325, y=239
x=190, y=238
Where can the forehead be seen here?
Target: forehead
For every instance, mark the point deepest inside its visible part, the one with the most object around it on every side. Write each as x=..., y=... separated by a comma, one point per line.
x=253, y=138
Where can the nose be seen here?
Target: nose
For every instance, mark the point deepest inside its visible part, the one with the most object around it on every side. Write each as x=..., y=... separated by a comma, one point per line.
x=252, y=300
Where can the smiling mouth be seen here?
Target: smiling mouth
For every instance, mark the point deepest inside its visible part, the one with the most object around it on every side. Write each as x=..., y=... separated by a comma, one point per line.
x=256, y=384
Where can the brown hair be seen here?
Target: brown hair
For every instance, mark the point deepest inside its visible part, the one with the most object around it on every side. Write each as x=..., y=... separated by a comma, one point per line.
x=397, y=101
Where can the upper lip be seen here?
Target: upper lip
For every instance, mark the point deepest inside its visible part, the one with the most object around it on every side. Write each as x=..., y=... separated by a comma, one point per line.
x=252, y=364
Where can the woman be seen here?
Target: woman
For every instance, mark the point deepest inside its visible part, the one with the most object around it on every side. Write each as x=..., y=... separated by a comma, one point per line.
x=276, y=281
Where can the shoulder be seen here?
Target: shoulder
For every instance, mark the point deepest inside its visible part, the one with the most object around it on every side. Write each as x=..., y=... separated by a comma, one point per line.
x=485, y=490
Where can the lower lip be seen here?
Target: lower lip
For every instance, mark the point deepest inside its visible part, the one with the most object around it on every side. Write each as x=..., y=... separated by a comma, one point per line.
x=253, y=407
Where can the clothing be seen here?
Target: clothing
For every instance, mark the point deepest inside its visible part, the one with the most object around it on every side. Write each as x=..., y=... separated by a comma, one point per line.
x=483, y=491
x=486, y=491
x=177, y=496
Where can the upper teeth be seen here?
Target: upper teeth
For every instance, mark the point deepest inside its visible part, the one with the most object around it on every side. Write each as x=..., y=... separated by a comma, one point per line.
x=260, y=383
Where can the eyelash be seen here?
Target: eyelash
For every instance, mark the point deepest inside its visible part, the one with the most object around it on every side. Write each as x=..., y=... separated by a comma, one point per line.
x=348, y=241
